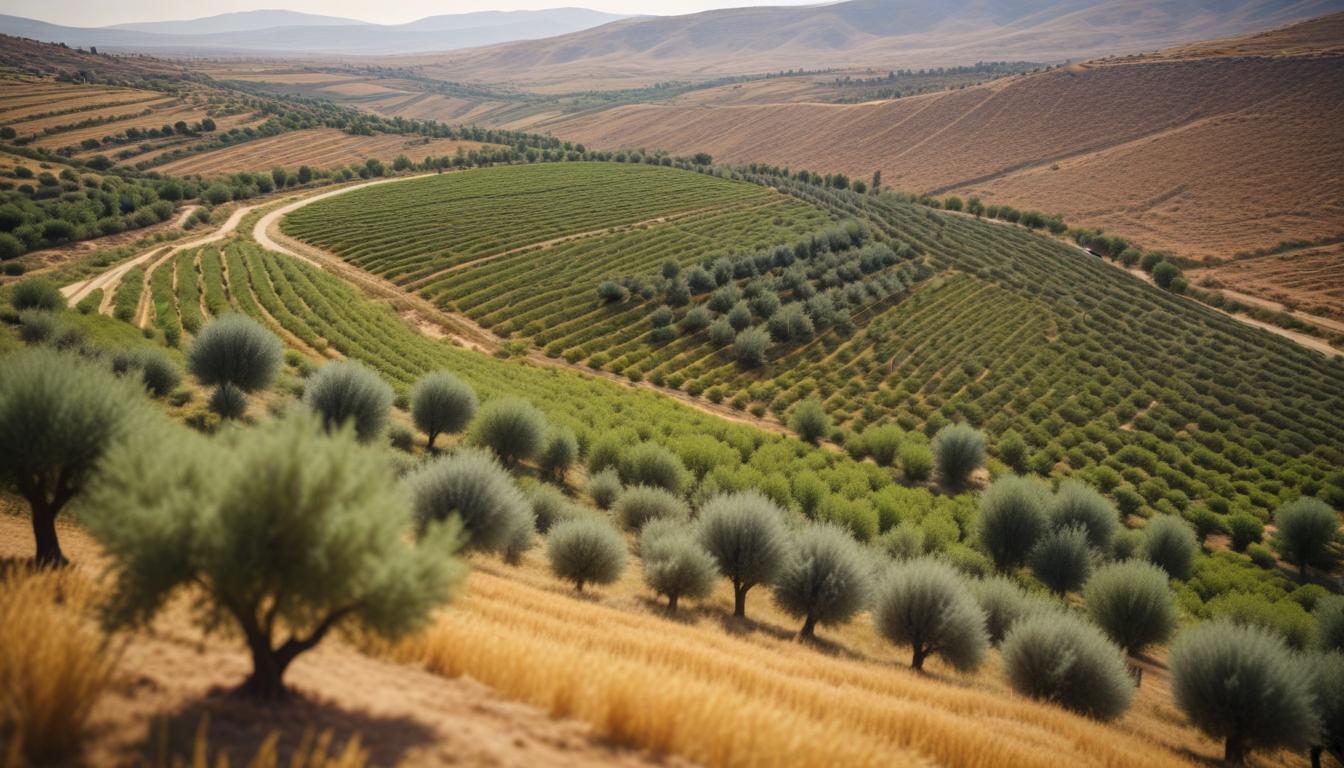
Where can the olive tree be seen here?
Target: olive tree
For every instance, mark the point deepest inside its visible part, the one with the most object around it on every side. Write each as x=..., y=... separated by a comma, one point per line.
x=510, y=427
x=824, y=580
x=1012, y=519
x=810, y=421
x=1242, y=685
x=1056, y=656
x=745, y=534
x=1326, y=672
x=604, y=487
x=586, y=550
x=653, y=465
x=1328, y=624
x=559, y=452
x=1004, y=603
x=1061, y=560
x=36, y=293
x=750, y=347
x=347, y=392
x=676, y=565
x=285, y=532
x=959, y=450
x=1132, y=604
x=1077, y=503
x=441, y=403
x=59, y=414
x=234, y=354
x=1306, y=527
x=638, y=504
x=926, y=605
x=471, y=486
x=1169, y=543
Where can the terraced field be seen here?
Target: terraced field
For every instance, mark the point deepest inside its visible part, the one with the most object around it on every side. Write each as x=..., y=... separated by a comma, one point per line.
x=317, y=147
x=1169, y=406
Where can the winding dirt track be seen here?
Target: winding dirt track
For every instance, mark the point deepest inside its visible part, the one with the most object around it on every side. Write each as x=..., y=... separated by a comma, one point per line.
x=76, y=292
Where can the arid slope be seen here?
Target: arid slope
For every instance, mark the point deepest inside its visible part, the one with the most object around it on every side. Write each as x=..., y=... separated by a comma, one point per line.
x=1208, y=150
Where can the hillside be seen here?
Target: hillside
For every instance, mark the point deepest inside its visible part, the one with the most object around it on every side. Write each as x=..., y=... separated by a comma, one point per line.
x=1206, y=151
x=879, y=33
x=283, y=33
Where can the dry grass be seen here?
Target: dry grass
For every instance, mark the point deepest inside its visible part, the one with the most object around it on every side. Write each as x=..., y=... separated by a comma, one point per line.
x=55, y=665
x=312, y=752
x=722, y=696
x=318, y=147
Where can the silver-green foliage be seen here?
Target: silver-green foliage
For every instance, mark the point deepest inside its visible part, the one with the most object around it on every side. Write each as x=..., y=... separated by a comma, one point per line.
x=471, y=486
x=586, y=550
x=1056, y=656
x=1169, y=543
x=1062, y=560
x=825, y=579
x=284, y=532
x=1306, y=528
x=1326, y=672
x=1077, y=503
x=927, y=605
x=236, y=350
x=959, y=450
x=745, y=533
x=1328, y=625
x=653, y=465
x=604, y=487
x=1005, y=603
x=347, y=392
x=510, y=427
x=641, y=503
x=675, y=564
x=1012, y=519
x=1132, y=604
x=59, y=414
x=441, y=403
x=1241, y=684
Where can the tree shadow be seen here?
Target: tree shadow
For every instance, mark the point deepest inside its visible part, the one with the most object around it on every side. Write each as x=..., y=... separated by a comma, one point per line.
x=236, y=726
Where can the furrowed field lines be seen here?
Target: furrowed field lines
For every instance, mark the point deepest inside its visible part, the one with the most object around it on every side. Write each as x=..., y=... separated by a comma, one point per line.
x=1012, y=332
x=723, y=699
x=414, y=229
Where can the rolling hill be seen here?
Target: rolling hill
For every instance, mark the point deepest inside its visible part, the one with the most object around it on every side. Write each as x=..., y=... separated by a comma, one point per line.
x=1207, y=150
x=284, y=32
x=860, y=33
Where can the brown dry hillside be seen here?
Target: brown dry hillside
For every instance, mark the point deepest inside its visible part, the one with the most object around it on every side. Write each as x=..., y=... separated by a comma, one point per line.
x=1215, y=151
x=319, y=147
x=857, y=33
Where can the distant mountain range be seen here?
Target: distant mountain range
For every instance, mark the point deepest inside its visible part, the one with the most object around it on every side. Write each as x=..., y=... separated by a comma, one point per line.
x=862, y=33
x=288, y=32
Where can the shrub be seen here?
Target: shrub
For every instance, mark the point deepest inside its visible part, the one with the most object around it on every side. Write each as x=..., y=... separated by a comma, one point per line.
x=1262, y=557
x=1013, y=451
x=1245, y=530
x=442, y=403
x=639, y=504
x=1241, y=685
x=559, y=452
x=306, y=533
x=36, y=293
x=549, y=506
x=521, y=538
x=926, y=605
x=1055, y=656
x=1132, y=604
x=347, y=392
x=1004, y=603
x=825, y=579
x=750, y=347
x=745, y=534
x=810, y=421
x=510, y=427
x=228, y=402
x=1306, y=527
x=903, y=542
x=37, y=326
x=721, y=333
x=916, y=462
x=1328, y=628
x=654, y=465
x=586, y=550
x=676, y=566
x=1165, y=273
x=1282, y=617
x=1169, y=543
x=605, y=454
x=611, y=292
x=55, y=664
x=959, y=450
x=1078, y=504
x=1061, y=560
x=1326, y=674
x=238, y=351
x=59, y=415
x=159, y=375
x=471, y=486
x=1012, y=519
x=604, y=487
x=401, y=437
x=883, y=443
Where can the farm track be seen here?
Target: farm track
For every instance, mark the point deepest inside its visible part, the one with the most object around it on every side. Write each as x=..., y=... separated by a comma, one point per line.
x=108, y=281
x=266, y=232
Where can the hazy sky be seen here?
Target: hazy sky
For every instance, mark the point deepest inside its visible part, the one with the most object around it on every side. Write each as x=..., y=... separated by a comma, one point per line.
x=94, y=13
